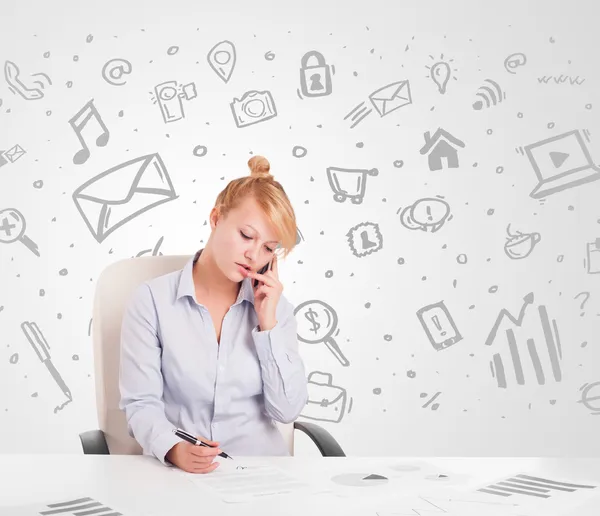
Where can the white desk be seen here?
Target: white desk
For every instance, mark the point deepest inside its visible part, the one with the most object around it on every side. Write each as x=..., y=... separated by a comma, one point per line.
x=143, y=485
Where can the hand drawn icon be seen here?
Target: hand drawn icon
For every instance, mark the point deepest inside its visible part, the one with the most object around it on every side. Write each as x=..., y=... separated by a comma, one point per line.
x=114, y=197
x=299, y=236
x=561, y=79
x=114, y=71
x=315, y=78
x=553, y=346
x=79, y=122
x=561, y=162
x=439, y=325
x=513, y=61
x=317, y=323
x=441, y=146
x=39, y=344
x=441, y=73
x=349, y=183
x=153, y=252
x=586, y=296
x=253, y=107
x=364, y=239
x=72, y=507
x=489, y=95
x=522, y=486
x=428, y=214
x=590, y=397
x=11, y=155
x=222, y=59
x=15, y=85
x=12, y=229
x=326, y=402
x=520, y=245
x=169, y=99
x=385, y=101
x=434, y=406
x=592, y=260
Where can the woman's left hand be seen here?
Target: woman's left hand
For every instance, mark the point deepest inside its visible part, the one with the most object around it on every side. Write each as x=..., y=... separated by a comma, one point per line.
x=266, y=295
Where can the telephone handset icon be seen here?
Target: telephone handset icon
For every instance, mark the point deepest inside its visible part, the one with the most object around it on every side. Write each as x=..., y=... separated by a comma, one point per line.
x=11, y=74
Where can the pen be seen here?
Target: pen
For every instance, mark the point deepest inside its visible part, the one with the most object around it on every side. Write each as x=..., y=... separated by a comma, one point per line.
x=197, y=442
x=40, y=346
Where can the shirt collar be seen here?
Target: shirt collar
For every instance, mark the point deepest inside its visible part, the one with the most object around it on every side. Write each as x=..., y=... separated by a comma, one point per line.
x=186, y=283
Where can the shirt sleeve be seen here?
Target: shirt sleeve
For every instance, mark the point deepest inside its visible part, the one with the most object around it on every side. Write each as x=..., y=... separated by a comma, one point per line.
x=283, y=373
x=140, y=377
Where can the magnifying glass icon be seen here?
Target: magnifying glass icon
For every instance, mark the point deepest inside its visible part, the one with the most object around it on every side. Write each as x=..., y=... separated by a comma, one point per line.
x=317, y=321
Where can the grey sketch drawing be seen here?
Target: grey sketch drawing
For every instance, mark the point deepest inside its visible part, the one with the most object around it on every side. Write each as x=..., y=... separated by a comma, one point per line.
x=561, y=162
x=527, y=485
x=12, y=229
x=42, y=349
x=553, y=348
x=592, y=260
x=222, y=58
x=82, y=506
x=349, y=183
x=439, y=325
x=169, y=98
x=384, y=100
x=318, y=324
x=365, y=238
x=590, y=397
x=253, y=107
x=111, y=199
x=428, y=214
x=79, y=122
x=326, y=402
x=16, y=85
x=513, y=61
x=154, y=252
x=441, y=73
x=490, y=94
x=434, y=406
x=360, y=480
x=12, y=155
x=520, y=245
x=114, y=71
x=440, y=147
x=561, y=79
x=315, y=75
x=586, y=296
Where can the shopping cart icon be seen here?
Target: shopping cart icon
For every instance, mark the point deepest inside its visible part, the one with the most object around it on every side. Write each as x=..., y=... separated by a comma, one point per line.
x=349, y=183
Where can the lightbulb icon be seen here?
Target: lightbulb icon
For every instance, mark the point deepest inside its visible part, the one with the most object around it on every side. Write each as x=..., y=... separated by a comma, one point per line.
x=440, y=73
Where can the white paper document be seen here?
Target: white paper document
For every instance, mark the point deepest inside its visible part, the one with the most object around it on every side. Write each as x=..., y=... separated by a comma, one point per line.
x=238, y=484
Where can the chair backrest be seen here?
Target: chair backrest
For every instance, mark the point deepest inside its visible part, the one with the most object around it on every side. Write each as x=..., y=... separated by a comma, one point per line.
x=113, y=290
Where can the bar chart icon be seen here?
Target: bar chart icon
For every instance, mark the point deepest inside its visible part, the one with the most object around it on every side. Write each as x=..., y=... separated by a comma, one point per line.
x=531, y=360
x=78, y=507
x=535, y=487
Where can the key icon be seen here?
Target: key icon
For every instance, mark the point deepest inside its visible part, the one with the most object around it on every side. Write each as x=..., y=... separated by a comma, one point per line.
x=12, y=228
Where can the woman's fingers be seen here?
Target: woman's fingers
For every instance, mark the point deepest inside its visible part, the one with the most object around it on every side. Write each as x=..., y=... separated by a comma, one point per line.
x=200, y=469
x=203, y=451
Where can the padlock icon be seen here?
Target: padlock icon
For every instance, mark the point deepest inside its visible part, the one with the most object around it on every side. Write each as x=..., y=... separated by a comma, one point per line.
x=315, y=79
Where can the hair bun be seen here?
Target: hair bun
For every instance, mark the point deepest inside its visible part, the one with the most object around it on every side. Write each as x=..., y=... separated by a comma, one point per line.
x=259, y=166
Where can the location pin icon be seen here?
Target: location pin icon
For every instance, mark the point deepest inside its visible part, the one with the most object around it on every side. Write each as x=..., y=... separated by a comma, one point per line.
x=222, y=58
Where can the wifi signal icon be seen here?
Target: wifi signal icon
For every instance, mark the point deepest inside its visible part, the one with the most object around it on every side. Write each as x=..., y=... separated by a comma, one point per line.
x=490, y=95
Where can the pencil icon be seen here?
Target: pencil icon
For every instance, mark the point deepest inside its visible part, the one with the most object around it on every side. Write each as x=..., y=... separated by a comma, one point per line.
x=40, y=346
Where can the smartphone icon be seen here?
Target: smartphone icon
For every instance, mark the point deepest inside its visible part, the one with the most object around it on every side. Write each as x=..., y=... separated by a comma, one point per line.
x=439, y=326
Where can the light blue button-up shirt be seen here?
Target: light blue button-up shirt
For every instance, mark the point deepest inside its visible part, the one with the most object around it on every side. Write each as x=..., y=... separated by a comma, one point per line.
x=173, y=373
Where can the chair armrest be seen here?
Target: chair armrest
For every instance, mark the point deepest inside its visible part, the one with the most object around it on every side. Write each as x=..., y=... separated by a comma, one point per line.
x=326, y=443
x=94, y=443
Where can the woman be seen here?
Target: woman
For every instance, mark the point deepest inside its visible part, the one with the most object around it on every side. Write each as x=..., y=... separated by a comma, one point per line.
x=212, y=348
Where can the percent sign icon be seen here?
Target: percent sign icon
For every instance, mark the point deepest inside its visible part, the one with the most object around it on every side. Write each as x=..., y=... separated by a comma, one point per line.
x=317, y=324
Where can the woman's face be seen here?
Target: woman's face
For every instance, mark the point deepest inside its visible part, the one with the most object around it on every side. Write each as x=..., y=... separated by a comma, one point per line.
x=244, y=237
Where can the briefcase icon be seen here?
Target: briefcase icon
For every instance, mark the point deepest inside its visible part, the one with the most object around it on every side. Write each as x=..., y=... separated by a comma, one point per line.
x=326, y=402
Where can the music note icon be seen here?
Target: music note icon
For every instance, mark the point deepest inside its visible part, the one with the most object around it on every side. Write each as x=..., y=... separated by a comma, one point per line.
x=79, y=122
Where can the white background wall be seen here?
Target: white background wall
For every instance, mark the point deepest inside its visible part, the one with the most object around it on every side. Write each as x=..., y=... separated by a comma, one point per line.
x=393, y=367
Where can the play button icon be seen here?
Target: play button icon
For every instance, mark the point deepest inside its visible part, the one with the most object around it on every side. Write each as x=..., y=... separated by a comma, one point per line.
x=558, y=158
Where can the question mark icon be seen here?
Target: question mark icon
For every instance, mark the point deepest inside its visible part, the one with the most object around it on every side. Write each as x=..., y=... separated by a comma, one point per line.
x=587, y=296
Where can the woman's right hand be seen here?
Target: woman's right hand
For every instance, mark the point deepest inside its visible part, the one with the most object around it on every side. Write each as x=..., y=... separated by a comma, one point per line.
x=194, y=459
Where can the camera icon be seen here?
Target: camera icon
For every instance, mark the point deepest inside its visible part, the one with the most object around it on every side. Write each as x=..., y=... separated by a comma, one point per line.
x=253, y=107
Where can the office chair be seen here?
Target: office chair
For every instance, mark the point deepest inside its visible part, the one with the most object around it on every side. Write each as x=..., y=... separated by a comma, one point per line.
x=113, y=290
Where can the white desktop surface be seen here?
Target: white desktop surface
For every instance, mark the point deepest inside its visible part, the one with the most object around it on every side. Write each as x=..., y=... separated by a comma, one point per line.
x=142, y=485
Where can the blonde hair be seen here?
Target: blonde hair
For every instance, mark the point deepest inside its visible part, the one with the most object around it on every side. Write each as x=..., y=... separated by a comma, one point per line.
x=270, y=196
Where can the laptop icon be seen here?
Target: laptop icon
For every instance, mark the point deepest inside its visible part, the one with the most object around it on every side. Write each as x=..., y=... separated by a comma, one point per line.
x=561, y=162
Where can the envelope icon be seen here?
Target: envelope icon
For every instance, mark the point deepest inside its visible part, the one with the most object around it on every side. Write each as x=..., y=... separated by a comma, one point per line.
x=391, y=97
x=113, y=198
x=14, y=153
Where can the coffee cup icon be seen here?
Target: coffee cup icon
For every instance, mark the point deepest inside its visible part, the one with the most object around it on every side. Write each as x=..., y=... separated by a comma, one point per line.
x=520, y=245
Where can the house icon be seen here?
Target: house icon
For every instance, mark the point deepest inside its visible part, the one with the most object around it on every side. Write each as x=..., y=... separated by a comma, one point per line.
x=439, y=146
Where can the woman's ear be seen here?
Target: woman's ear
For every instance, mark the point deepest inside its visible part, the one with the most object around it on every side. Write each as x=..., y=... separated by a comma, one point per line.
x=214, y=217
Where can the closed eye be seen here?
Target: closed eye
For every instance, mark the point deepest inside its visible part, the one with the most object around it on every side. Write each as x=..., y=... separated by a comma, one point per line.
x=250, y=238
